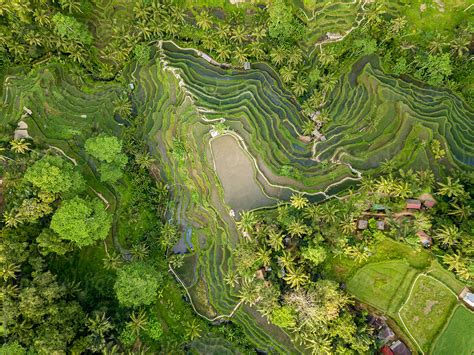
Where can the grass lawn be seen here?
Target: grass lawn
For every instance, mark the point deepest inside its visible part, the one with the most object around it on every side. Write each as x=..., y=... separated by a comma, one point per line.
x=427, y=310
x=342, y=268
x=457, y=337
x=378, y=283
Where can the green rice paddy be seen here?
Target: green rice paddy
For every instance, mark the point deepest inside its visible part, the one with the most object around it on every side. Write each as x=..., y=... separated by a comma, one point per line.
x=178, y=96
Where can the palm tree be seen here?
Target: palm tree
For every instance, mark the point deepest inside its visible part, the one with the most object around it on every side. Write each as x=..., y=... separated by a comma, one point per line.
x=463, y=212
x=169, y=233
x=328, y=84
x=209, y=43
x=112, y=261
x=295, y=58
x=19, y=146
x=259, y=33
x=275, y=240
x=247, y=221
x=139, y=251
x=287, y=74
x=42, y=17
x=99, y=324
x=459, y=46
x=457, y=264
x=298, y=201
x=347, y=225
x=144, y=160
x=308, y=127
x=297, y=228
x=145, y=30
x=278, y=55
x=193, y=330
x=314, y=213
x=398, y=24
x=300, y=86
x=329, y=213
x=141, y=10
x=451, y=188
x=326, y=58
x=240, y=54
x=437, y=44
x=223, y=53
x=231, y=278
x=401, y=189
x=170, y=26
x=422, y=221
x=71, y=6
x=287, y=260
x=249, y=292
x=9, y=271
x=11, y=219
x=238, y=34
x=264, y=256
x=448, y=235
x=223, y=31
x=203, y=20
x=138, y=322
x=387, y=166
x=296, y=278
x=256, y=50
x=123, y=106
x=425, y=178
x=318, y=344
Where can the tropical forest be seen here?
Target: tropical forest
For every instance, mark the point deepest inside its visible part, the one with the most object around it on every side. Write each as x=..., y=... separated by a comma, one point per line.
x=237, y=177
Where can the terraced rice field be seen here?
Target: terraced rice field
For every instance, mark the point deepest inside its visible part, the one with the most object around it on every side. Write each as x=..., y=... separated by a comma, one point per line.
x=377, y=117
x=180, y=96
x=331, y=17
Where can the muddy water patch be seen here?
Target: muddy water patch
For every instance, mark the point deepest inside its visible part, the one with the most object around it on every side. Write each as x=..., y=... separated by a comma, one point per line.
x=237, y=175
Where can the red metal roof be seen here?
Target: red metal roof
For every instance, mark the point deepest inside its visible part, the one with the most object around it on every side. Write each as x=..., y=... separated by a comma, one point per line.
x=386, y=350
x=414, y=204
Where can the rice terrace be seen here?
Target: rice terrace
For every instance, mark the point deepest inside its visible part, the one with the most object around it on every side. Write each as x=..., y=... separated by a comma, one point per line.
x=237, y=177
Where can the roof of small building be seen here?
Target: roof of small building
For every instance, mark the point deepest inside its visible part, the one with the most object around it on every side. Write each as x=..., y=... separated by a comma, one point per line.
x=381, y=225
x=386, y=350
x=246, y=65
x=386, y=333
x=469, y=298
x=362, y=224
x=413, y=204
x=399, y=348
x=425, y=239
x=379, y=207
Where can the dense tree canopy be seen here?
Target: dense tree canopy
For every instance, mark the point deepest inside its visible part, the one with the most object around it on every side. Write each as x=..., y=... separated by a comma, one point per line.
x=137, y=285
x=108, y=151
x=80, y=221
x=55, y=175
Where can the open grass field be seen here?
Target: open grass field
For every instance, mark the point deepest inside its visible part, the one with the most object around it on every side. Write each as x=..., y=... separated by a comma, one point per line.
x=427, y=310
x=379, y=283
x=457, y=337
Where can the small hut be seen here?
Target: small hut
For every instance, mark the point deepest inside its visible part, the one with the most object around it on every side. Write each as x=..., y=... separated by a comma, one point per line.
x=246, y=65
x=380, y=225
x=428, y=200
x=467, y=297
x=413, y=204
x=362, y=224
x=425, y=239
